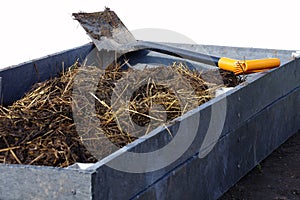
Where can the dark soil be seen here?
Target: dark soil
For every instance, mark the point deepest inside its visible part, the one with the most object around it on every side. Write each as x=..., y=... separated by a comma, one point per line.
x=276, y=178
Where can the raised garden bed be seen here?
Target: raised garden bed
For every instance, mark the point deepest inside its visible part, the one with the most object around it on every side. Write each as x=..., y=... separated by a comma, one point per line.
x=260, y=115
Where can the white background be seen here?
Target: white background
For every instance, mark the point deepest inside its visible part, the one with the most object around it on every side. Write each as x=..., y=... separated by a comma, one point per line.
x=34, y=28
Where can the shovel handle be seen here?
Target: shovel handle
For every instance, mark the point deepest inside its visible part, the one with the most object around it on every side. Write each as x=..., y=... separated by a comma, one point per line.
x=248, y=66
x=236, y=66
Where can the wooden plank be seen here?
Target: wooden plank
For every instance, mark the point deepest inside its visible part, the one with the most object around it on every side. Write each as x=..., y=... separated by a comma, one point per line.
x=32, y=182
x=16, y=80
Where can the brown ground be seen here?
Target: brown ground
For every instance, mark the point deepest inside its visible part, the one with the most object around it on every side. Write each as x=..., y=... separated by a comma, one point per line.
x=276, y=178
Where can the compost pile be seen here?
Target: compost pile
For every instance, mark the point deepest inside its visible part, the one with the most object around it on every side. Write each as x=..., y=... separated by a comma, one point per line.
x=41, y=128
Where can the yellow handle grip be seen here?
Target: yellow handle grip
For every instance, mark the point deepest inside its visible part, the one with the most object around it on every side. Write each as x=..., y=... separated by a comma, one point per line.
x=248, y=66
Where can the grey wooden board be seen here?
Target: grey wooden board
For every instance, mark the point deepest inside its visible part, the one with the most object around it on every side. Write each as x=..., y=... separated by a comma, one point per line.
x=31, y=182
x=250, y=107
x=234, y=155
x=16, y=80
x=241, y=109
x=240, y=53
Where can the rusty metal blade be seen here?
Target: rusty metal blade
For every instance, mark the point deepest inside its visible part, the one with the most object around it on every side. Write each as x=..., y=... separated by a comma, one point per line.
x=109, y=33
x=106, y=30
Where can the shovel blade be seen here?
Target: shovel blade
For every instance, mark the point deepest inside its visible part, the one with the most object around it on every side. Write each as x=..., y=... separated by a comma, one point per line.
x=106, y=30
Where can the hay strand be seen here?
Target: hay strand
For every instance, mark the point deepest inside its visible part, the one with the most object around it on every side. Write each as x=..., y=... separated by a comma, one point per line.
x=39, y=129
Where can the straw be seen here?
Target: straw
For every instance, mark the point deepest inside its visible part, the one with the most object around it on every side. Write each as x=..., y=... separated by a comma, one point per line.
x=39, y=129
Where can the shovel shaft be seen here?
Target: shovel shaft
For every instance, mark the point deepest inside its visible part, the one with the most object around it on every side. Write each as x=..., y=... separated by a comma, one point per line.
x=178, y=52
x=236, y=66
